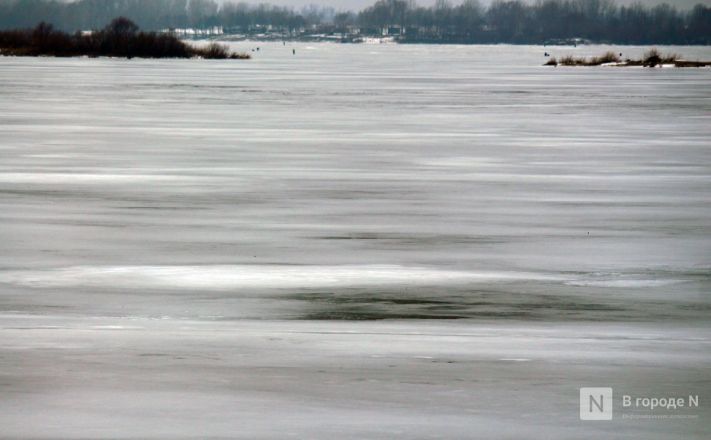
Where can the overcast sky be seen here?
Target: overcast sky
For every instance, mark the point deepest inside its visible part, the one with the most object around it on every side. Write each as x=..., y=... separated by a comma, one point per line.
x=360, y=4
x=356, y=5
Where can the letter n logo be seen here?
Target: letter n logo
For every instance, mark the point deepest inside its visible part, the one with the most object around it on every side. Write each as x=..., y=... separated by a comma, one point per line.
x=595, y=403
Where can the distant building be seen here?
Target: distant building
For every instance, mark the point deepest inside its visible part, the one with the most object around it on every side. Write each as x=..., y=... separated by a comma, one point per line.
x=393, y=31
x=193, y=33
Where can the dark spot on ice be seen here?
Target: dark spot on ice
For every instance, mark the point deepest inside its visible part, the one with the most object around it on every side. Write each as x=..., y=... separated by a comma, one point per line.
x=355, y=304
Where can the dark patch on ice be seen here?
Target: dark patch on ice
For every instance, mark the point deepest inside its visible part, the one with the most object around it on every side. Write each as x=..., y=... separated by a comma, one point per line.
x=511, y=92
x=364, y=315
x=155, y=207
x=418, y=239
x=362, y=304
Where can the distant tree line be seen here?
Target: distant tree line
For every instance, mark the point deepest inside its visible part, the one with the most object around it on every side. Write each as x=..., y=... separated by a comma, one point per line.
x=155, y=14
x=515, y=21
x=120, y=38
x=504, y=21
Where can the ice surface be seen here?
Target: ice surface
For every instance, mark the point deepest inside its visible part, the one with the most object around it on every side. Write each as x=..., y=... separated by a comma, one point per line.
x=353, y=241
x=219, y=277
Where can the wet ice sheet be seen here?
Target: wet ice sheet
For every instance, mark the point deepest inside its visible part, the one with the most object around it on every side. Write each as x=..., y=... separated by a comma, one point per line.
x=478, y=161
x=252, y=276
x=151, y=210
x=138, y=378
x=361, y=292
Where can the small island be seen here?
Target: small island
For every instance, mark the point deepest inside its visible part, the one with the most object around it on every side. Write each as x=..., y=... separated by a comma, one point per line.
x=121, y=38
x=651, y=58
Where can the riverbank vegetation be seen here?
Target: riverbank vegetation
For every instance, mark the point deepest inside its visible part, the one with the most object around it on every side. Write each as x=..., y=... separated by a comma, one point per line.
x=651, y=58
x=121, y=38
x=445, y=21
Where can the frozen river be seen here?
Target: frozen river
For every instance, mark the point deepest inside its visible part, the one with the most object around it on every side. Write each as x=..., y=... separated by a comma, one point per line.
x=356, y=241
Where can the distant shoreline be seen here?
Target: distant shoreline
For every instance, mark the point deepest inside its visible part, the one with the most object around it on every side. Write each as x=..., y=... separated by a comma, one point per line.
x=465, y=22
x=651, y=58
x=227, y=37
x=121, y=38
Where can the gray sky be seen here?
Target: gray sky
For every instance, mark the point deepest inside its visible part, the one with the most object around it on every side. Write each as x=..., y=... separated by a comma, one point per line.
x=360, y=4
x=356, y=5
